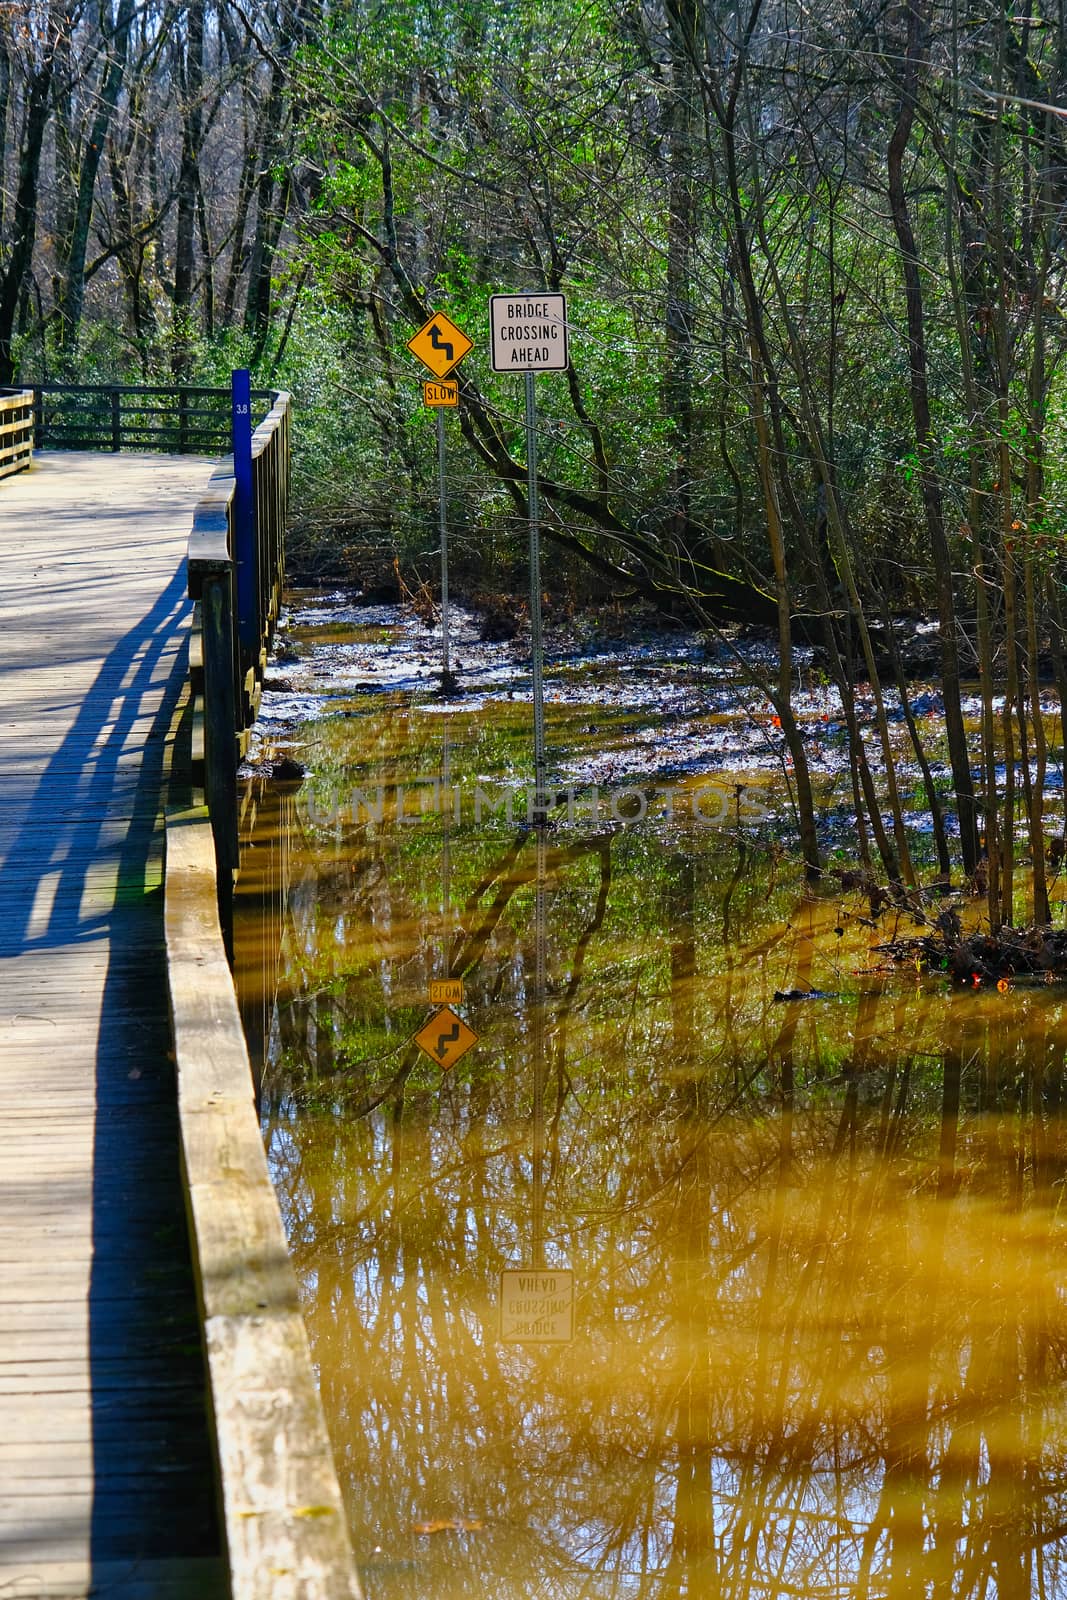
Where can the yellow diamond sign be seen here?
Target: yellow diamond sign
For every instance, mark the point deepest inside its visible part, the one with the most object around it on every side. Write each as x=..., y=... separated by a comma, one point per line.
x=440, y=345
x=445, y=1037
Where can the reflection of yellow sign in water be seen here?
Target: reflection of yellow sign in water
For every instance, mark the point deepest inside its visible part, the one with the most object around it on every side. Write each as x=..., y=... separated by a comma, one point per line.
x=536, y=1307
x=445, y=1038
x=440, y=345
x=446, y=991
x=443, y=393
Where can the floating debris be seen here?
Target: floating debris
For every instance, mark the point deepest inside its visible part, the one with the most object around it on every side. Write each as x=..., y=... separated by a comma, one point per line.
x=449, y=1525
x=805, y=994
x=286, y=770
x=977, y=960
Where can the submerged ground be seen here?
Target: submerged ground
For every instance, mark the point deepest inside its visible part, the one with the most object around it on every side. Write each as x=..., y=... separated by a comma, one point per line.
x=815, y=1243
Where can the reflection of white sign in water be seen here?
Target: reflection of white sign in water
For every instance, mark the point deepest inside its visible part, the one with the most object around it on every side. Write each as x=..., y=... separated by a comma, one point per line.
x=529, y=332
x=536, y=1306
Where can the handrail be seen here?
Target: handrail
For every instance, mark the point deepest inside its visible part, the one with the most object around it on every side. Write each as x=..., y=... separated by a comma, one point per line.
x=282, y=1511
x=184, y=417
x=231, y=674
x=16, y=430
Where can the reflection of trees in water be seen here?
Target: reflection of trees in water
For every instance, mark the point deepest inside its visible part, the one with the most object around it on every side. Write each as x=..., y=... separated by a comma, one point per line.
x=821, y=1331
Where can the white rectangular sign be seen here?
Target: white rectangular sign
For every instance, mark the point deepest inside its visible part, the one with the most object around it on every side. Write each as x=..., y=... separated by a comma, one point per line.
x=529, y=332
x=536, y=1307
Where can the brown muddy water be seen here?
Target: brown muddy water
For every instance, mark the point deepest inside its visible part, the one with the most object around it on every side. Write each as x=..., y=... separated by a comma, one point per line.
x=816, y=1246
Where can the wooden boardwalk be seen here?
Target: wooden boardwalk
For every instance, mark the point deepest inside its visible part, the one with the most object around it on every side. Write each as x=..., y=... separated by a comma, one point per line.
x=105, y=1460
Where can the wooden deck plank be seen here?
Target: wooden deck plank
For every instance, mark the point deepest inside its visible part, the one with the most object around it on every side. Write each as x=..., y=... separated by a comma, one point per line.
x=104, y=1452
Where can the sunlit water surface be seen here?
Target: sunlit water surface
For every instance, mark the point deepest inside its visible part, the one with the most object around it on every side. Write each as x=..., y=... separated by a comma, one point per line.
x=817, y=1244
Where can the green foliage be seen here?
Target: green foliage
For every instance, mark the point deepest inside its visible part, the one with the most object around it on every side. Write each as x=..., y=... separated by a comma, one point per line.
x=442, y=150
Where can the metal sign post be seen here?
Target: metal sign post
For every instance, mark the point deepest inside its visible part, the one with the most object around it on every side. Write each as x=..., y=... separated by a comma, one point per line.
x=533, y=510
x=446, y=853
x=537, y=1302
x=529, y=335
x=441, y=346
x=448, y=677
x=540, y=984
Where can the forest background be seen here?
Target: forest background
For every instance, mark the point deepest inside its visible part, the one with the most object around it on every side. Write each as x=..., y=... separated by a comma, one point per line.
x=814, y=261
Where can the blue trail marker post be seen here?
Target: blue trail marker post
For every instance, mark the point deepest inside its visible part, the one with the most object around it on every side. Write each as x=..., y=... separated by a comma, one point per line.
x=244, y=512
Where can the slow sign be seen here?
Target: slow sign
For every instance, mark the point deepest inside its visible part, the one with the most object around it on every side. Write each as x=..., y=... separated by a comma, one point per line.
x=444, y=393
x=446, y=991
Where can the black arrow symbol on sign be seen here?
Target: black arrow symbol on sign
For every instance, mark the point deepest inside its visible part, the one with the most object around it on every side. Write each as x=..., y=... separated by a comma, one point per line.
x=445, y=1040
x=440, y=343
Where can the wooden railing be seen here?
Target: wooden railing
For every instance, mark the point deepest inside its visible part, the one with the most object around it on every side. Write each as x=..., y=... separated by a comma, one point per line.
x=228, y=672
x=282, y=1513
x=182, y=419
x=16, y=430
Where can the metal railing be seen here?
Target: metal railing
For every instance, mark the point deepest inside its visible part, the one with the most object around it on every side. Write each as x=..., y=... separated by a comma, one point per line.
x=182, y=419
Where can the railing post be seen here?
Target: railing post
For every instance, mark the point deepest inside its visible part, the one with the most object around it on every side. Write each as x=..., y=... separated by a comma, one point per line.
x=38, y=417
x=116, y=418
x=244, y=518
x=264, y=519
x=273, y=527
x=220, y=731
x=183, y=422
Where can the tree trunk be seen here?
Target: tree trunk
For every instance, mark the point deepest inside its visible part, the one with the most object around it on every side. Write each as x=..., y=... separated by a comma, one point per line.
x=192, y=138
x=682, y=20
x=114, y=71
x=268, y=221
x=925, y=445
x=245, y=190
x=760, y=366
x=20, y=255
x=5, y=101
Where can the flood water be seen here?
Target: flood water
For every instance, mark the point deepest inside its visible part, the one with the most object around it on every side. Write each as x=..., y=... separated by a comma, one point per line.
x=816, y=1245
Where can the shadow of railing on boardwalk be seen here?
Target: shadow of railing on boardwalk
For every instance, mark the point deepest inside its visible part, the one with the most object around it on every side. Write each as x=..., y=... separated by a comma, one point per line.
x=75, y=875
